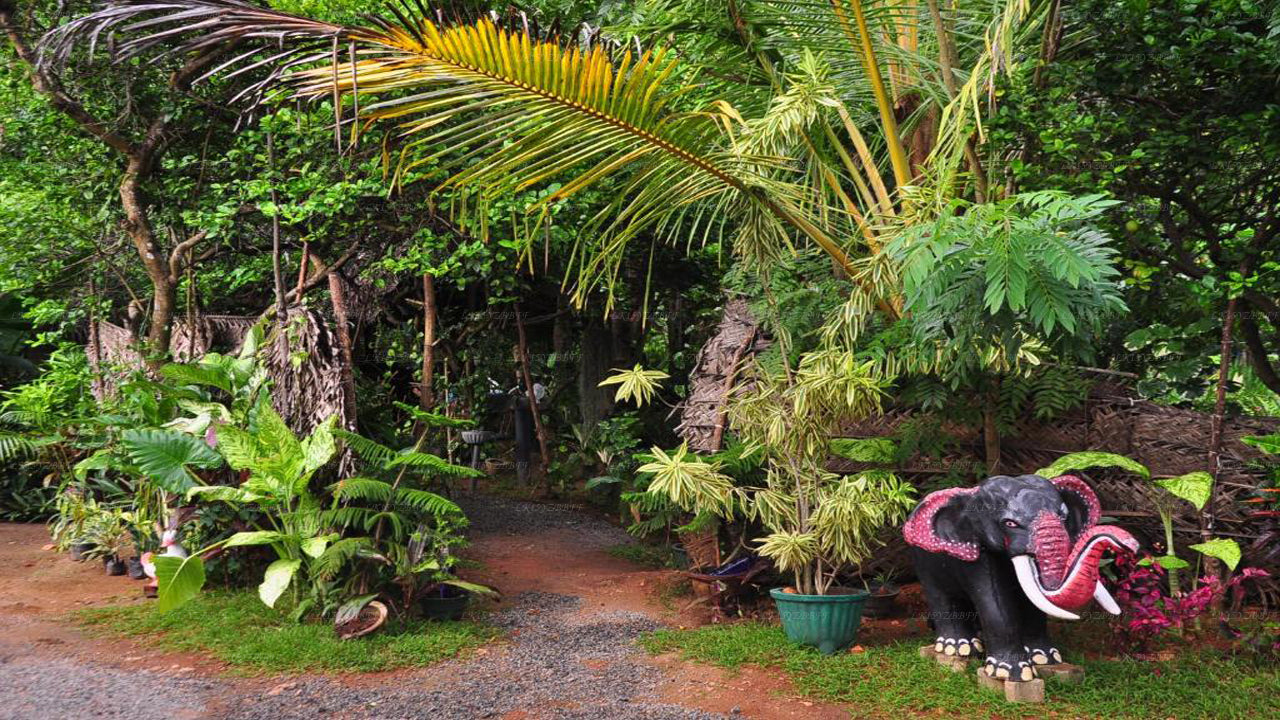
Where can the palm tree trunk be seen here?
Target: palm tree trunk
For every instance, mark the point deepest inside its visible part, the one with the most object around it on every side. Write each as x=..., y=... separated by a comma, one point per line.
x=426, y=393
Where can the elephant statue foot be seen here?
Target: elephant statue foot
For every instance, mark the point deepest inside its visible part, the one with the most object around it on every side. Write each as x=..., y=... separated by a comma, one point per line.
x=958, y=647
x=996, y=560
x=1017, y=670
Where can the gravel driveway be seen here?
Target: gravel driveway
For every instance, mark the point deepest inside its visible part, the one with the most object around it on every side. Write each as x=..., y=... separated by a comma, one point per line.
x=559, y=660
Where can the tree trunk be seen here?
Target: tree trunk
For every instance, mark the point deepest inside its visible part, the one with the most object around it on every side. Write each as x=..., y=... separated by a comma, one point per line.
x=594, y=402
x=990, y=431
x=523, y=349
x=1208, y=516
x=338, y=299
x=426, y=393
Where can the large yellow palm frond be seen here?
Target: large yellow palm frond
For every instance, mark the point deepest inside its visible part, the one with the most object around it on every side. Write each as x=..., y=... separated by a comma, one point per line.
x=502, y=111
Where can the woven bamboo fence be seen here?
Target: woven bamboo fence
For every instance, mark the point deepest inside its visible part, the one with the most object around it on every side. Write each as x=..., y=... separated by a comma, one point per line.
x=1169, y=441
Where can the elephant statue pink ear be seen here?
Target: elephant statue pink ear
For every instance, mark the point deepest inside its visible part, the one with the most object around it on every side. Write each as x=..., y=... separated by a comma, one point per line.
x=1083, y=498
x=921, y=532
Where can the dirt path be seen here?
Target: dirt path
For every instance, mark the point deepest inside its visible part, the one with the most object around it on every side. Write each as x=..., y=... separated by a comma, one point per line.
x=571, y=613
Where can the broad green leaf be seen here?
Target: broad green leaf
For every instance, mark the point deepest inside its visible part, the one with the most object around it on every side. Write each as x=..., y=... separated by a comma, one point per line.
x=167, y=456
x=470, y=587
x=1266, y=443
x=1172, y=562
x=225, y=493
x=256, y=537
x=350, y=610
x=1192, y=487
x=178, y=580
x=237, y=446
x=276, y=580
x=319, y=446
x=1228, y=551
x=99, y=460
x=1090, y=459
x=314, y=546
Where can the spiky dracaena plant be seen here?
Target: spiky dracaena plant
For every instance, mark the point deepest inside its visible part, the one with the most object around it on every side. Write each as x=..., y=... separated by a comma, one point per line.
x=819, y=523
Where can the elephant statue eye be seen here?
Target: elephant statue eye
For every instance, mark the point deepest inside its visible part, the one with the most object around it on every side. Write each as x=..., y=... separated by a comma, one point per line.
x=1011, y=524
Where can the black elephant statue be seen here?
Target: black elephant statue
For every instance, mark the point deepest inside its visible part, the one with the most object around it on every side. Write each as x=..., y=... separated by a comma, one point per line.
x=995, y=560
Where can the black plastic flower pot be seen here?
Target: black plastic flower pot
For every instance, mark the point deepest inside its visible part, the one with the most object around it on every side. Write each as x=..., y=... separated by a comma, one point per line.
x=116, y=566
x=882, y=602
x=136, y=571
x=445, y=603
x=79, y=549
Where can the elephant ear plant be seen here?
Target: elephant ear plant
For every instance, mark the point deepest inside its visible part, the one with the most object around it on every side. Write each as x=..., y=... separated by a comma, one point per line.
x=280, y=467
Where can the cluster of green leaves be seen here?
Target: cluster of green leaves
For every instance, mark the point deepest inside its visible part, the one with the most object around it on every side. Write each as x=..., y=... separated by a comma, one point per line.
x=1169, y=108
x=1194, y=488
x=987, y=285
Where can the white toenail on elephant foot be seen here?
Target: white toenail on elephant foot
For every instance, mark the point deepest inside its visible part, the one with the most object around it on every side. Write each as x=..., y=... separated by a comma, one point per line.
x=937, y=645
x=1057, y=656
x=964, y=648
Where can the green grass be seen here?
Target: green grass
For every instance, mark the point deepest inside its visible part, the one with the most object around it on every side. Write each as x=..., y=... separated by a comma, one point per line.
x=236, y=628
x=893, y=680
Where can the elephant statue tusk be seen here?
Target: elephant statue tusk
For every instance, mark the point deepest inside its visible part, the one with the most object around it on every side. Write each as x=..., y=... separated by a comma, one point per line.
x=1022, y=565
x=1104, y=599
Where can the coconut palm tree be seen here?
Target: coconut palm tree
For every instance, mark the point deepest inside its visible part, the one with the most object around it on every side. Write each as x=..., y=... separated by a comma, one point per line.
x=501, y=109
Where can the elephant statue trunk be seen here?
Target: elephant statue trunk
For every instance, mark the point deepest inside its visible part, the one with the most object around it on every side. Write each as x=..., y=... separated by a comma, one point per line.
x=996, y=560
x=1058, y=576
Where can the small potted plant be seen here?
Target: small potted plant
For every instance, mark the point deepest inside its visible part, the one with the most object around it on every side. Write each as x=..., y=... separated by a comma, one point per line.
x=424, y=573
x=819, y=525
x=73, y=529
x=882, y=596
x=112, y=541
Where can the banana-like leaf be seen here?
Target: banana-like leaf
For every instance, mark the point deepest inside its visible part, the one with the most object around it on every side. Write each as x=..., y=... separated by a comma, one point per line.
x=178, y=580
x=276, y=580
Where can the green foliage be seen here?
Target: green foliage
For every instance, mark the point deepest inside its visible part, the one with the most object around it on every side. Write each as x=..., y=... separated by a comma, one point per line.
x=168, y=457
x=637, y=384
x=237, y=629
x=1194, y=487
x=892, y=679
x=1224, y=549
x=1136, y=106
x=1086, y=460
x=997, y=285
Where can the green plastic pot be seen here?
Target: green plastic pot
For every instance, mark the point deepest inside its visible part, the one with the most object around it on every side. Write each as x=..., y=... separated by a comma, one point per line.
x=827, y=622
